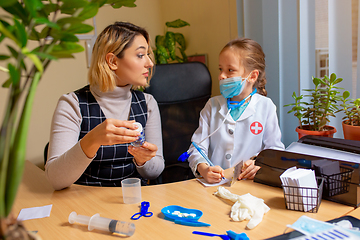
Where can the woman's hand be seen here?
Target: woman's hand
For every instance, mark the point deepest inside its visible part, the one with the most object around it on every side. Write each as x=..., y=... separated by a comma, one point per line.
x=249, y=170
x=210, y=174
x=109, y=132
x=144, y=153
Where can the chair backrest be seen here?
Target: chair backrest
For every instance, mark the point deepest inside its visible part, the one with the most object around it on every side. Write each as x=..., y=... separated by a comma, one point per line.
x=181, y=90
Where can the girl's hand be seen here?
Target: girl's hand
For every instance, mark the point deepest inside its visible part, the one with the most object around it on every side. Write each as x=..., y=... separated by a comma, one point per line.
x=249, y=170
x=210, y=174
x=109, y=132
x=144, y=153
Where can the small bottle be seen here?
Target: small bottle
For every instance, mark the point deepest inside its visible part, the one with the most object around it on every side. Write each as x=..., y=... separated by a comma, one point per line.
x=140, y=141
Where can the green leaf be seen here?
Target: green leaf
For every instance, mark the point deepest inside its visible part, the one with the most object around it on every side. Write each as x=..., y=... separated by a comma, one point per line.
x=121, y=3
x=7, y=83
x=14, y=74
x=89, y=11
x=162, y=52
x=45, y=56
x=178, y=23
x=183, y=54
x=159, y=40
x=4, y=57
x=337, y=81
x=16, y=165
x=179, y=38
x=7, y=3
x=20, y=33
x=47, y=22
x=79, y=28
x=66, y=37
x=316, y=81
x=18, y=11
x=170, y=44
x=70, y=6
x=34, y=59
x=66, y=49
x=332, y=77
x=33, y=6
x=8, y=33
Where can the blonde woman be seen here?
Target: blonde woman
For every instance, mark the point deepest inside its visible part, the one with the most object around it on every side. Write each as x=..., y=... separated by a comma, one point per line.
x=92, y=127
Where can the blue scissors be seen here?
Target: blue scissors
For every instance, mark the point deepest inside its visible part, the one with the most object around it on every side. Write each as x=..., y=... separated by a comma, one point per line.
x=143, y=211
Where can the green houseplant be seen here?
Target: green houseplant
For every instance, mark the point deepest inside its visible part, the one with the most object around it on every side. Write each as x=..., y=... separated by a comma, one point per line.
x=313, y=115
x=166, y=44
x=52, y=27
x=351, y=120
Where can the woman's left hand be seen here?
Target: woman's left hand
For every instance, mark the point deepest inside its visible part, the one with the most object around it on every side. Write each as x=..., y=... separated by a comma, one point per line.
x=249, y=170
x=144, y=153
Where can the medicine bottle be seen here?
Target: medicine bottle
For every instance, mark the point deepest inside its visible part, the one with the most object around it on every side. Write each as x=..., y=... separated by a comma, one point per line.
x=140, y=141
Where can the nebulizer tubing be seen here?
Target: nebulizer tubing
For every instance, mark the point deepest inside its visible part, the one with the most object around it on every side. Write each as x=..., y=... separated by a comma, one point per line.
x=104, y=224
x=186, y=154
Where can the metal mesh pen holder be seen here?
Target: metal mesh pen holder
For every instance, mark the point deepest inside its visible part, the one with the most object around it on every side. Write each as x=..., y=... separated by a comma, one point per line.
x=302, y=198
x=339, y=183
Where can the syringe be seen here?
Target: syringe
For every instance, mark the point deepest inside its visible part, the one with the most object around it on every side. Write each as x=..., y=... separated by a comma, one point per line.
x=104, y=224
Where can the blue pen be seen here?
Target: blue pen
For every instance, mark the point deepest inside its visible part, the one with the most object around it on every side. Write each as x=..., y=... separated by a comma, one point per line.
x=203, y=154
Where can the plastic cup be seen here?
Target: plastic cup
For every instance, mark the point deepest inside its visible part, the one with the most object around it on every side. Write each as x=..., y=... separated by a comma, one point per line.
x=131, y=190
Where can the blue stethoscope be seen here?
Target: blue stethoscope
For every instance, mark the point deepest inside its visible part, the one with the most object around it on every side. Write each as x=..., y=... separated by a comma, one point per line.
x=231, y=105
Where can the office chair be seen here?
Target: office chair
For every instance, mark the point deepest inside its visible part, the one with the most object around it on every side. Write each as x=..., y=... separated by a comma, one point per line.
x=181, y=90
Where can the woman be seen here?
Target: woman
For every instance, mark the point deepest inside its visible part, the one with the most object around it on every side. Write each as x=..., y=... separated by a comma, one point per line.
x=92, y=128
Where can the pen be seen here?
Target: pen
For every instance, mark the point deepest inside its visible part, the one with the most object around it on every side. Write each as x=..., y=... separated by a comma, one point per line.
x=204, y=155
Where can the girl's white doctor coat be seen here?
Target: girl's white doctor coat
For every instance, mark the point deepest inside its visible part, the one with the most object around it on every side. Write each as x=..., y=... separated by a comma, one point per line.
x=256, y=129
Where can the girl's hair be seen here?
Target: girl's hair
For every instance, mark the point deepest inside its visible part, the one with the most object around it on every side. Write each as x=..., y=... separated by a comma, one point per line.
x=252, y=58
x=115, y=38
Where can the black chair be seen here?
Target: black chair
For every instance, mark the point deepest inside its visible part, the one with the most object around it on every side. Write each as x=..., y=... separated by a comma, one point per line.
x=181, y=90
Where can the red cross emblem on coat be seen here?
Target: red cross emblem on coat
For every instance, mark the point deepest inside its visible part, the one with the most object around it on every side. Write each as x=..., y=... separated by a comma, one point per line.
x=256, y=128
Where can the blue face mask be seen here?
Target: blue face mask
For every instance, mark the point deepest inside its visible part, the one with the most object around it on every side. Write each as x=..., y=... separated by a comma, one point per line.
x=231, y=87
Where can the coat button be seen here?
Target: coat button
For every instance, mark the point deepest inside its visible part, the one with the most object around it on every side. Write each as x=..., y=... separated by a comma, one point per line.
x=231, y=131
x=228, y=156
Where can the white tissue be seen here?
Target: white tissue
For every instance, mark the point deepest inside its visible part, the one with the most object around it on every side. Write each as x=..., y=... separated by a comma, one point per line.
x=246, y=207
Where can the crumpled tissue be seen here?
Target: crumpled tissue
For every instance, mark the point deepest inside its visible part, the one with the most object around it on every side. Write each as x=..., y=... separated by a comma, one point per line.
x=246, y=207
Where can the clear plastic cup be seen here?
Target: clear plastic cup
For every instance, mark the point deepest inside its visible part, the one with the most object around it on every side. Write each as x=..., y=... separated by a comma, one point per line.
x=131, y=190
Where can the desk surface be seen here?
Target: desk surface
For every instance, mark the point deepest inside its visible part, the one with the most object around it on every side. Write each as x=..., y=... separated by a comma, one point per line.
x=35, y=191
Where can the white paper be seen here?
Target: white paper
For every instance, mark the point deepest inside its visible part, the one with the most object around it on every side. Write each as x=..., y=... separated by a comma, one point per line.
x=318, y=151
x=206, y=184
x=34, y=212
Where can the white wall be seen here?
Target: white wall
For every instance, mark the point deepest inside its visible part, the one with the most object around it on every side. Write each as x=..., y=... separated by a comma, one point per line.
x=213, y=24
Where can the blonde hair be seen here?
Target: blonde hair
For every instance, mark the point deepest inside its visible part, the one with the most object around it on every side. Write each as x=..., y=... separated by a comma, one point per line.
x=115, y=38
x=252, y=58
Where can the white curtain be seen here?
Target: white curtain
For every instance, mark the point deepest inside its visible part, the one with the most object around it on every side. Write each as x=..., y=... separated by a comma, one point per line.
x=286, y=31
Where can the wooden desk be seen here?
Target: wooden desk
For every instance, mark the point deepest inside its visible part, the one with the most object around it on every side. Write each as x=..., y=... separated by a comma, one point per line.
x=36, y=191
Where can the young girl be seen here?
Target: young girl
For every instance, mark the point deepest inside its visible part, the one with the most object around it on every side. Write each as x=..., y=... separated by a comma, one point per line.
x=243, y=120
x=92, y=127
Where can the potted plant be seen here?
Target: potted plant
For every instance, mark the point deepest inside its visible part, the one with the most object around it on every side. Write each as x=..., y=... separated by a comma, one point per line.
x=53, y=26
x=166, y=44
x=313, y=115
x=351, y=120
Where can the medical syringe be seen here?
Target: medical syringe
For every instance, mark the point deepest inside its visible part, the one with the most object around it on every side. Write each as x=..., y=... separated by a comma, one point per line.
x=104, y=224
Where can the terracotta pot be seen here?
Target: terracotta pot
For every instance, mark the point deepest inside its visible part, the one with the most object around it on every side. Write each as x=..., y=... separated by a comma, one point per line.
x=351, y=132
x=328, y=133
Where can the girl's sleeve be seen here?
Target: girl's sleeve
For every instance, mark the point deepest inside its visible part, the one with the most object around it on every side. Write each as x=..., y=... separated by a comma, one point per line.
x=272, y=135
x=154, y=167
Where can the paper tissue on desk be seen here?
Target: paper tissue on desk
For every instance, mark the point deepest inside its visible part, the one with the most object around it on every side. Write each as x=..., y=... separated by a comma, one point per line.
x=246, y=207
x=300, y=189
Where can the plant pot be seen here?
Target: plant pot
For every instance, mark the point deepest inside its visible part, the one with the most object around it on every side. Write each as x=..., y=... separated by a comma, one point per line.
x=327, y=133
x=351, y=132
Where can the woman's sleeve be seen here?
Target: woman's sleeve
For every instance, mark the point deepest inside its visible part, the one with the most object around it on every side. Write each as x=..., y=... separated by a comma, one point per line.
x=66, y=160
x=154, y=167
